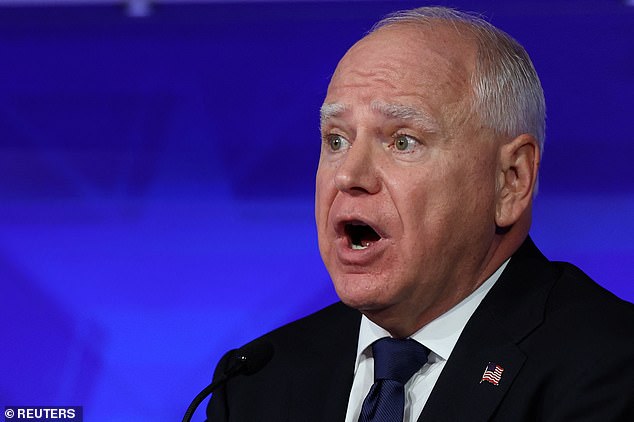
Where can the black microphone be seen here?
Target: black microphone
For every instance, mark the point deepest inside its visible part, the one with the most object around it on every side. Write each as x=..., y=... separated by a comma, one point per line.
x=248, y=360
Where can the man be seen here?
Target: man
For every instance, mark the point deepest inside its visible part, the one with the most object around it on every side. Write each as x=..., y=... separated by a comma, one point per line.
x=432, y=132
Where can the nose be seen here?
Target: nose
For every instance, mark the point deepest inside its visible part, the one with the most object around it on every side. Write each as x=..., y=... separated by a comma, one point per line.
x=357, y=173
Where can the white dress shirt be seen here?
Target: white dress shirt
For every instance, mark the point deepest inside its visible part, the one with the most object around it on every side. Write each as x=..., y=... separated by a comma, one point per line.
x=439, y=336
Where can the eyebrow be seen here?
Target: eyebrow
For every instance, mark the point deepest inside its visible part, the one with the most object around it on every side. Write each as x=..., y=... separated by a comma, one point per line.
x=330, y=110
x=405, y=112
x=394, y=111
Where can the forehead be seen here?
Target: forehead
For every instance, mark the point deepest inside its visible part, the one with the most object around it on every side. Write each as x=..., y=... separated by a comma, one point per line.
x=432, y=64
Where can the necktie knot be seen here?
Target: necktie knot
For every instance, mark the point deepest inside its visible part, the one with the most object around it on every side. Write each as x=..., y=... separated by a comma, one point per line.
x=397, y=359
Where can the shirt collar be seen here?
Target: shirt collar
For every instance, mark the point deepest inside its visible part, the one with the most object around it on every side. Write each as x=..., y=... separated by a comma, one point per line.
x=440, y=335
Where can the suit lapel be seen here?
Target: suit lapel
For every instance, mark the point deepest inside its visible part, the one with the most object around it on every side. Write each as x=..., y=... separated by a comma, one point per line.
x=331, y=369
x=342, y=366
x=338, y=390
x=511, y=310
x=459, y=393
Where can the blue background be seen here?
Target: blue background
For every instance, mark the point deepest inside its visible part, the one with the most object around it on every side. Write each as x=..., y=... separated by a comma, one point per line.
x=156, y=181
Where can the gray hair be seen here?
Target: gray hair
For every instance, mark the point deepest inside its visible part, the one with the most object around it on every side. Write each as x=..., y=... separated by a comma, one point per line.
x=508, y=95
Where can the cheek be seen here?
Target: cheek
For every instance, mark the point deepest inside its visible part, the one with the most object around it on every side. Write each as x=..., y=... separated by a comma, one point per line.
x=430, y=204
x=324, y=195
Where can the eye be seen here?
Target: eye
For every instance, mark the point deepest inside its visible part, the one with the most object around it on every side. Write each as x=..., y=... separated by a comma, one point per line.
x=336, y=142
x=405, y=143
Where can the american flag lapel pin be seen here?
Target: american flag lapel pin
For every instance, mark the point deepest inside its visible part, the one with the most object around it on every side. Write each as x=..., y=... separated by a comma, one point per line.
x=492, y=373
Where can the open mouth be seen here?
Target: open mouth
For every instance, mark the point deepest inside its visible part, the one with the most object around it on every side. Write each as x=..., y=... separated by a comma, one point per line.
x=360, y=235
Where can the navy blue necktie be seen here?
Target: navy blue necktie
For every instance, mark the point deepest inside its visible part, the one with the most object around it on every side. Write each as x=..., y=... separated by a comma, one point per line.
x=395, y=361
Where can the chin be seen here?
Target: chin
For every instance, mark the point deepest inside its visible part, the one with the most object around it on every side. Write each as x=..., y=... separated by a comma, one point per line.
x=361, y=292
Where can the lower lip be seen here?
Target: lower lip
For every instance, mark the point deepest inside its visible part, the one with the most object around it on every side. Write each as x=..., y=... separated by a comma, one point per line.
x=359, y=257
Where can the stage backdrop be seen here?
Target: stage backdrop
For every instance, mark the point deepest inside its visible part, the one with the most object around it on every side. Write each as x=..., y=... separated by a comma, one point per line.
x=156, y=180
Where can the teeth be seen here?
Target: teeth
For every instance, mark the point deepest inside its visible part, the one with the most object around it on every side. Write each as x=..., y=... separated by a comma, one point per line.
x=364, y=245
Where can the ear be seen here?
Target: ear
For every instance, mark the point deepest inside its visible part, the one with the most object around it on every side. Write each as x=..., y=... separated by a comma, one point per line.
x=517, y=178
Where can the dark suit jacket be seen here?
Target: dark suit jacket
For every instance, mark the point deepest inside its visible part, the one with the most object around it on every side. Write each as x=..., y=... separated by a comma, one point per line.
x=565, y=343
